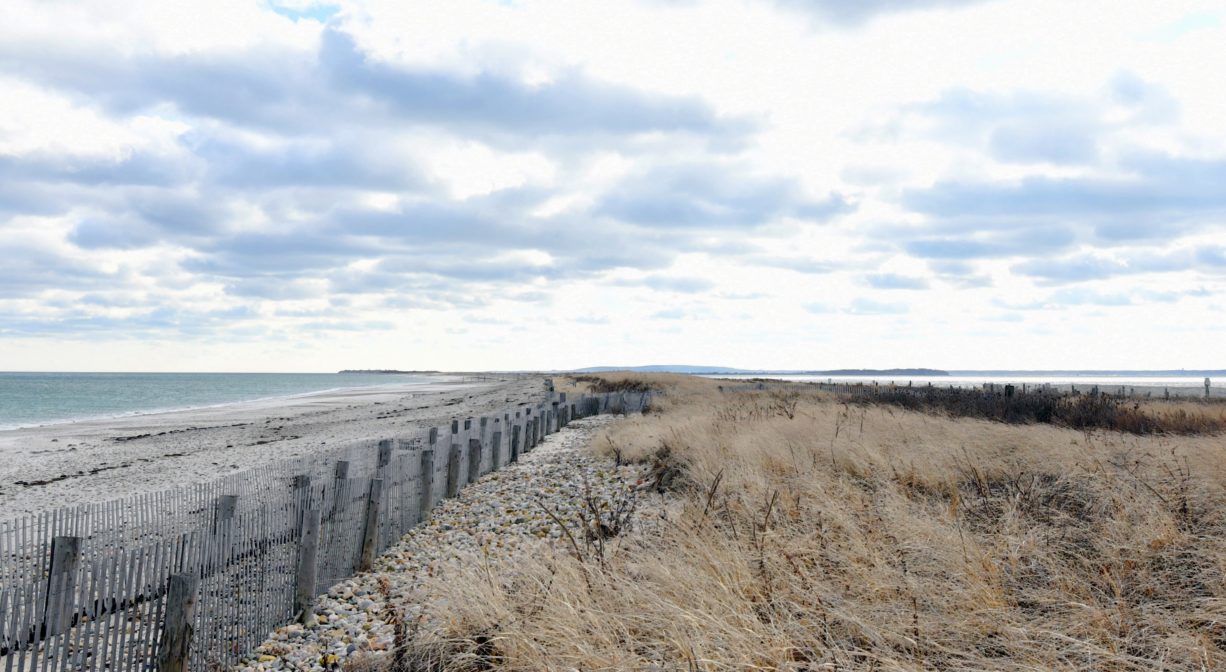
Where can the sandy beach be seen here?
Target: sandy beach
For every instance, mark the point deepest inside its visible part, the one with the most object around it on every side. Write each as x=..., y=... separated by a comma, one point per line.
x=59, y=465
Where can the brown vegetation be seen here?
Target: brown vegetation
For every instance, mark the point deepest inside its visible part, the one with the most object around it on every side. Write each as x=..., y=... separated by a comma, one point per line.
x=1077, y=411
x=808, y=533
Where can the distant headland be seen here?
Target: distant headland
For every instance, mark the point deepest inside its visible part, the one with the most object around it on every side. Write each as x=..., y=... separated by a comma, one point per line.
x=728, y=371
x=368, y=371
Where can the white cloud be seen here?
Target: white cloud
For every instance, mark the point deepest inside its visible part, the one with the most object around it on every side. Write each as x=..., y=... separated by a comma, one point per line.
x=748, y=184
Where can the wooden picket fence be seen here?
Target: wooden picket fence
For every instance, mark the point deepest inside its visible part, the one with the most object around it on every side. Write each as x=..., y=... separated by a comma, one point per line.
x=193, y=578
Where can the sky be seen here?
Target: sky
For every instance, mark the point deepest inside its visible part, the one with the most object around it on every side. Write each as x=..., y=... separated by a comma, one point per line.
x=287, y=185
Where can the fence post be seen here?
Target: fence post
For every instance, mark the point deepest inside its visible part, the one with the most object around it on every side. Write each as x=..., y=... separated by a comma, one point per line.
x=370, y=536
x=338, y=481
x=307, y=574
x=453, y=470
x=176, y=641
x=427, y=483
x=302, y=494
x=496, y=446
x=61, y=583
x=223, y=512
x=385, y=452
x=474, y=460
x=515, y=442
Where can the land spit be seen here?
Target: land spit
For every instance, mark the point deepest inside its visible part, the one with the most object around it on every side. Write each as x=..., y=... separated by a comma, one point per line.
x=74, y=463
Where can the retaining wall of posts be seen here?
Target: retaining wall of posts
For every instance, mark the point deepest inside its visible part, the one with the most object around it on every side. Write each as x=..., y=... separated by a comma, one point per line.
x=191, y=579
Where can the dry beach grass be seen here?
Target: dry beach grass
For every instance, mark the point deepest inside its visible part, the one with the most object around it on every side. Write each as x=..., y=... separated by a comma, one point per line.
x=809, y=533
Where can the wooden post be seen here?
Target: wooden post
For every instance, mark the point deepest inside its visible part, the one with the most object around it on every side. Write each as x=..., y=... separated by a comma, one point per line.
x=496, y=446
x=340, y=475
x=1206, y=388
x=176, y=644
x=61, y=584
x=385, y=452
x=515, y=443
x=427, y=484
x=223, y=510
x=307, y=574
x=453, y=470
x=370, y=535
x=474, y=460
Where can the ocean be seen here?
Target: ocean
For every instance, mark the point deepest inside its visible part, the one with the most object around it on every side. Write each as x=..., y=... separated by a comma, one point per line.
x=31, y=399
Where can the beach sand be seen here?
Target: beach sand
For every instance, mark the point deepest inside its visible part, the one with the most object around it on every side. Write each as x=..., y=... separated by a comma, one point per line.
x=59, y=465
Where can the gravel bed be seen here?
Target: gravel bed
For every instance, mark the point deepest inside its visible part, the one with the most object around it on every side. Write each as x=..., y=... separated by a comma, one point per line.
x=498, y=517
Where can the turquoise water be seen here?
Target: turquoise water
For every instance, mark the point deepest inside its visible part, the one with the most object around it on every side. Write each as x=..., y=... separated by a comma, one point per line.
x=28, y=399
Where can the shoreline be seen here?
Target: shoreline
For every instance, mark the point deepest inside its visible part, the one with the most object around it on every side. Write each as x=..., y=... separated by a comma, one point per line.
x=54, y=465
x=435, y=379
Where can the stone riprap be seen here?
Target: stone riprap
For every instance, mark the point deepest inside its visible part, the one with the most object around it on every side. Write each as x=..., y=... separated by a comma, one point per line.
x=499, y=516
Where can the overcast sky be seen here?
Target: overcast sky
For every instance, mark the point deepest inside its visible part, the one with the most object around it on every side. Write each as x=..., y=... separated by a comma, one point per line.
x=293, y=186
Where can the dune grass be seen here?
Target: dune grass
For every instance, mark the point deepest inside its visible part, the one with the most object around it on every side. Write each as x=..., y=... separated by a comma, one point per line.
x=805, y=533
x=1076, y=411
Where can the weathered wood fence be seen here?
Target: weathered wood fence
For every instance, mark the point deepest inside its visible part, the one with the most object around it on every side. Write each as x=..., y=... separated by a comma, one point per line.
x=191, y=579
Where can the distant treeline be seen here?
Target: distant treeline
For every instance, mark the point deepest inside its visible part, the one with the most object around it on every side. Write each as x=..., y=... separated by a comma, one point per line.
x=1076, y=411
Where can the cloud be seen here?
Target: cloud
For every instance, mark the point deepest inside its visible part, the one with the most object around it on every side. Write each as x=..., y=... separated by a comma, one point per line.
x=669, y=314
x=863, y=306
x=284, y=91
x=1158, y=199
x=678, y=284
x=895, y=281
x=713, y=196
x=791, y=263
x=846, y=14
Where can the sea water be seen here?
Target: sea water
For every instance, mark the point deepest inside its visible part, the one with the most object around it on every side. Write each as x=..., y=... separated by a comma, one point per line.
x=30, y=399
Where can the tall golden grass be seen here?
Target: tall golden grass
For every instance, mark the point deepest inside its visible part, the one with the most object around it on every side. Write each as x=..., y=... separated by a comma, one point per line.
x=808, y=534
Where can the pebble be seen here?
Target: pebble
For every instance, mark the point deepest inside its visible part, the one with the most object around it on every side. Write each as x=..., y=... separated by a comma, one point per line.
x=499, y=516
